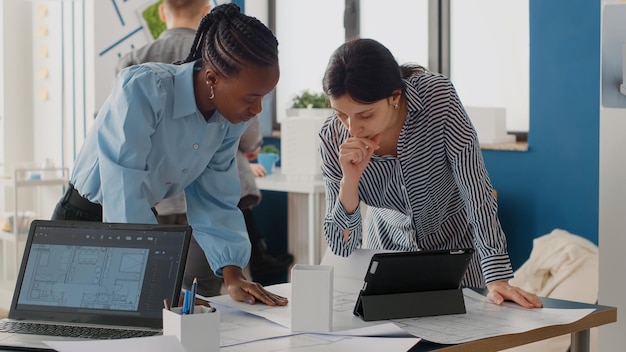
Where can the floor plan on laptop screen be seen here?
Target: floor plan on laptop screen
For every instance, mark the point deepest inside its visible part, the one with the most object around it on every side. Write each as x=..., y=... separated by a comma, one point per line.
x=84, y=276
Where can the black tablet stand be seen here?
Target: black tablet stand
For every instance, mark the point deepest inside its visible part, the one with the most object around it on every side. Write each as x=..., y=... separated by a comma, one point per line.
x=410, y=305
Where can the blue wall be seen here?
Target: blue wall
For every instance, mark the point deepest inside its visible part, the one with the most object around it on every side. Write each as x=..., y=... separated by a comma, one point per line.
x=555, y=183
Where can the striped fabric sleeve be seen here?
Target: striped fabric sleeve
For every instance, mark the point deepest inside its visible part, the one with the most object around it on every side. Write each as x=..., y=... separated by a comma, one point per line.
x=343, y=231
x=496, y=268
x=476, y=190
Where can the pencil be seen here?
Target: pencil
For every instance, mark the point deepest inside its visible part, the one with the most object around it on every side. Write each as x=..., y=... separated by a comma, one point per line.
x=166, y=304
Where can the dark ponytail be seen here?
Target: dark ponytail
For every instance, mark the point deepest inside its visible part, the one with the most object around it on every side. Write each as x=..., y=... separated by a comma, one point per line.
x=226, y=39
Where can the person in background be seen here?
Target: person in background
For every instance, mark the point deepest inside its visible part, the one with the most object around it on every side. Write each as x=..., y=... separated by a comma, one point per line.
x=401, y=142
x=182, y=18
x=169, y=128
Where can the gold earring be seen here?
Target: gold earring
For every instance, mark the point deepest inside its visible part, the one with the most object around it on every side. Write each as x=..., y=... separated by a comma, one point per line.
x=212, y=93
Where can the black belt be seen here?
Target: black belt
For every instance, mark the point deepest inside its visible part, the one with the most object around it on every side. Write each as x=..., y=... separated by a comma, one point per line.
x=75, y=199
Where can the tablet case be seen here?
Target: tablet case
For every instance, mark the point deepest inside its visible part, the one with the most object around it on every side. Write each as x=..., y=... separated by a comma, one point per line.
x=413, y=284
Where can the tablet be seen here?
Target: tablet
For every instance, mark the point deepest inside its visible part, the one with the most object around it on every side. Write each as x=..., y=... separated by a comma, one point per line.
x=411, y=284
x=401, y=272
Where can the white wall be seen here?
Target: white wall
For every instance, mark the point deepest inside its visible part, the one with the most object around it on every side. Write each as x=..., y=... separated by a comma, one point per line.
x=258, y=9
x=16, y=126
x=612, y=193
x=612, y=231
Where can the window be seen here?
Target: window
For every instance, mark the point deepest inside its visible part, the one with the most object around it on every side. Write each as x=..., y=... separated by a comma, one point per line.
x=316, y=29
x=307, y=32
x=489, y=45
x=402, y=26
x=489, y=61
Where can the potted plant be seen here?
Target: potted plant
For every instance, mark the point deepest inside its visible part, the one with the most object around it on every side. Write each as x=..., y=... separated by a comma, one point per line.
x=309, y=103
x=268, y=157
x=308, y=100
x=270, y=148
x=300, y=157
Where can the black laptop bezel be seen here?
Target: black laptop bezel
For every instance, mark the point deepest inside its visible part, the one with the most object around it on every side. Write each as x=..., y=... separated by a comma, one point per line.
x=88, y=316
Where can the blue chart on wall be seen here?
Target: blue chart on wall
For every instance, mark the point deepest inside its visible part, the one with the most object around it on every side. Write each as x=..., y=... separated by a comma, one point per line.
x=613, y=56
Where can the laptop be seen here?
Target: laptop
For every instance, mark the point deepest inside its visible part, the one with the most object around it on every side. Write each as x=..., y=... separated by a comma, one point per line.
x=105, y=276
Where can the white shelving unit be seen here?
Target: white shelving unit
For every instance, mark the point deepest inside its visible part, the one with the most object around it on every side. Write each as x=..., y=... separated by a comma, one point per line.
x=12, y=239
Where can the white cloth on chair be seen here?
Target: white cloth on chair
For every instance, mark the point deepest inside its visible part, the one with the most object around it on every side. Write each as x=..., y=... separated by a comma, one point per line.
x=564, y=266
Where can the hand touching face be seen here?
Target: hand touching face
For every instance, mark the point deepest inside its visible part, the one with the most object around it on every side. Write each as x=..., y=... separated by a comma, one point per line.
x=366, y=124
x=354, y=155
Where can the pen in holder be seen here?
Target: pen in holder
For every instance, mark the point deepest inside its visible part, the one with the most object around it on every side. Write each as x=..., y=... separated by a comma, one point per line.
x=197, y=332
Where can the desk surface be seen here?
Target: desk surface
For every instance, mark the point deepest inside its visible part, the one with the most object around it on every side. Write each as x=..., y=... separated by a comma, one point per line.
x=601, y=316
x=276, y=181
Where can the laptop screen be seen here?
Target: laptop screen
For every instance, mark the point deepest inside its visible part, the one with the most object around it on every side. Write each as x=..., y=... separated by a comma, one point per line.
x=103, y=273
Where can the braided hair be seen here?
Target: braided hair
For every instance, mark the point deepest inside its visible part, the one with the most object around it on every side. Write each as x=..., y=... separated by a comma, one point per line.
x=226, y=39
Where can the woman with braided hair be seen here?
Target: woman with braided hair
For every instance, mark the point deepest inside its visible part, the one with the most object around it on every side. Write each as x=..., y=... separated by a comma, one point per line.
x=169, y=128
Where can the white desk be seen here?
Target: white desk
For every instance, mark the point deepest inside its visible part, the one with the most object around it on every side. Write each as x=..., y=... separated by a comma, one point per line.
x=313, y=189
x=497, y=328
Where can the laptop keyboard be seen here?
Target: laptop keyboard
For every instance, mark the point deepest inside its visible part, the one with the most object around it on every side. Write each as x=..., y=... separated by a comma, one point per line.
x=72, y=331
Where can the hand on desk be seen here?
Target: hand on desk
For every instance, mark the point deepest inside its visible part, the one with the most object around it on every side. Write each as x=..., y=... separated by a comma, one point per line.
x=258, y=170
x=242, y=290
x=500, y=291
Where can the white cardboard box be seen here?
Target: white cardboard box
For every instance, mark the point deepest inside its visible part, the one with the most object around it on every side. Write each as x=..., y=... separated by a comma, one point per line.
x=490, y=124
x=299, y=144
x=311, y=298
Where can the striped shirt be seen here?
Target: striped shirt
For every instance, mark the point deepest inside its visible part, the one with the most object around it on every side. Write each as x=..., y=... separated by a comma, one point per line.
x=436, y=194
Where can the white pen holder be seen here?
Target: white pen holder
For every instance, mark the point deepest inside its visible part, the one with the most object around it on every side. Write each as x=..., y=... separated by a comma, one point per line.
x=311, y=298
x=196, y=332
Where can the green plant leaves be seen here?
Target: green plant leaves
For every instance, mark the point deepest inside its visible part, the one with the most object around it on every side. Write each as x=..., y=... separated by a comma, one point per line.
x=270, y=148
x=308, y=99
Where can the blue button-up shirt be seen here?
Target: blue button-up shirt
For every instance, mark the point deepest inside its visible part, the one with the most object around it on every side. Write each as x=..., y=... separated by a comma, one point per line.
x=150, y=142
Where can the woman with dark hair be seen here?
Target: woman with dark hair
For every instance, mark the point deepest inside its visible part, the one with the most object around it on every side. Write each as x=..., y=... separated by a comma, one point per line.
x=169, y=128
x=401, y=143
